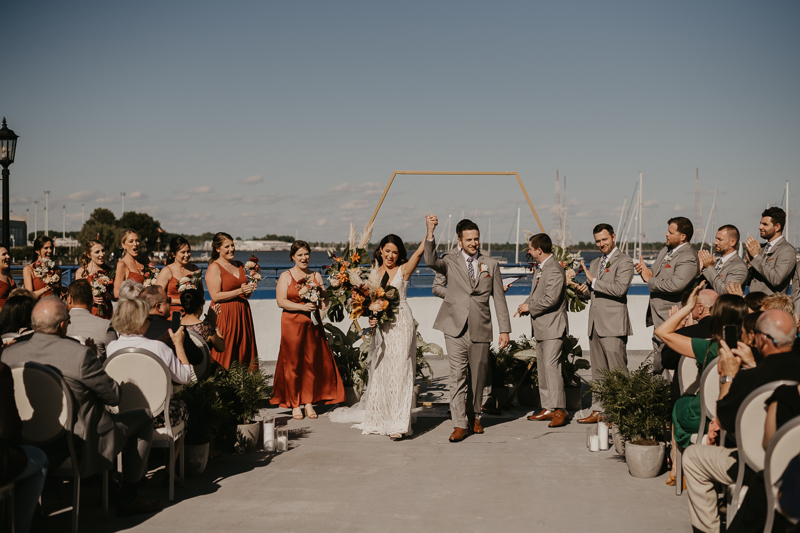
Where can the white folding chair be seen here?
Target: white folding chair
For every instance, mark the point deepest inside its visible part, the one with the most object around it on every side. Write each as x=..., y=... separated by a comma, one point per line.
x=749, y=435
x=47, y=409
x=783, y=447
x=200, y=370
x=7, y=499
x=688, y=382
x=147, y=383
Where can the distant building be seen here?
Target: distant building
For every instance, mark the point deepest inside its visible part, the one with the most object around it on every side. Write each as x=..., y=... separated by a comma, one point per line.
x=18, y=228
x=255, y=246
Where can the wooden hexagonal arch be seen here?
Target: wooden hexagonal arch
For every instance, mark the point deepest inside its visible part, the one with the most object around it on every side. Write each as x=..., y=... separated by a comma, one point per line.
x=455, y=173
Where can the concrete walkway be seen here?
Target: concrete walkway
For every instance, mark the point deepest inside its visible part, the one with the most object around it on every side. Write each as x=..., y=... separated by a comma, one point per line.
x=518, y=476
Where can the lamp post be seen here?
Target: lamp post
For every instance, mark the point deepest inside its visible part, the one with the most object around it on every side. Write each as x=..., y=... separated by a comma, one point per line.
x=63, y=222
x=8, y=149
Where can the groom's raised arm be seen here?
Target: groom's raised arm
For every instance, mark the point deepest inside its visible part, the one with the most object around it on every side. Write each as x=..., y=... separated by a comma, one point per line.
x=431, y=259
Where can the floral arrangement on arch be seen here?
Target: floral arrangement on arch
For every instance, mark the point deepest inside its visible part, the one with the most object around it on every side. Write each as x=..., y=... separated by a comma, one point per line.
x=191, y=282
x=150, y=274
x=571, y=265
x=100, y=282
x=347, y=277
x=253, y=270
x=45, y=269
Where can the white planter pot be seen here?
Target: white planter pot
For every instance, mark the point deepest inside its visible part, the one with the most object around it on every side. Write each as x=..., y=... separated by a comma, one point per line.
x=644, y=461
x=619, y=442
x=196, y=458
x=247, y=435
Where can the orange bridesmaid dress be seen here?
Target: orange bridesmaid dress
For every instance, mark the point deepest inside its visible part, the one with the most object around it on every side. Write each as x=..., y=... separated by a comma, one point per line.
x=172, y=292
x=39, y=284
x=5, y=290
x=135, y=276
x=305, y=372
x=235, y=322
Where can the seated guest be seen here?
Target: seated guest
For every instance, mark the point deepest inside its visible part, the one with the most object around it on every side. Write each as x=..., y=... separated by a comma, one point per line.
x=779, y=301
x=82, y=323
x=130, y=289
x=754, y=299
x=101, y=435
x=193, y=302
x=15, y=318
x=131, y=319
x=706, y=465
x=156, y=297
x=26, y=466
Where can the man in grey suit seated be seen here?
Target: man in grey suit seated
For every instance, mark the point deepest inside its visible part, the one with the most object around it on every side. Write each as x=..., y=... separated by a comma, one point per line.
x=728, y=267
x=101, y=435
x=82, y=323
x=608, y=280
x=547, y=306
x=771, y=267
x=673, y=270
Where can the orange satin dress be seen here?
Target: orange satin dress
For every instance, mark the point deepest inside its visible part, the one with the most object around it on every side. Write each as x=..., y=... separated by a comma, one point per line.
x=39, y=284
x=305, y=372
x=135, y=276
x=235, y=322
x=5, y=290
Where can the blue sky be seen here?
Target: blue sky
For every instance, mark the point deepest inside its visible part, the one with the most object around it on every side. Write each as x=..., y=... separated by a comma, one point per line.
x=289, y=117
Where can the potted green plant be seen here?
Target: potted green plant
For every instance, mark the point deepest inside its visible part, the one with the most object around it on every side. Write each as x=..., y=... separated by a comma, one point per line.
x=514, y=367
x=638, y=405
x=242, y=394
x=571, y=361
x=351, y=360
x=205, y=415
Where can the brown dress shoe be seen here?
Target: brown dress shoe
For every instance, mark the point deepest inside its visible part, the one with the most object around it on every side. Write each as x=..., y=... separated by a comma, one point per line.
x=591, y=419
x=544, y=414
x=488, y=409
x=559, y=419
x=458, y=435
x=477, y=427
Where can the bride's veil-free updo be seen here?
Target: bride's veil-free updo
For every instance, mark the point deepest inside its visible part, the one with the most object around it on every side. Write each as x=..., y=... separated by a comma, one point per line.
x=402, y=255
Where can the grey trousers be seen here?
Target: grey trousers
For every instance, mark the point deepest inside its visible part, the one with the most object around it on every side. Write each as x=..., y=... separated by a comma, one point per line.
x=469, y=362
x=137, y=426
x=606, y=353
x=551, y=382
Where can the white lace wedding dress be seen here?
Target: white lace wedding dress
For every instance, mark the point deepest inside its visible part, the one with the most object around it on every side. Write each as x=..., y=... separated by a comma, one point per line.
x=386, y=407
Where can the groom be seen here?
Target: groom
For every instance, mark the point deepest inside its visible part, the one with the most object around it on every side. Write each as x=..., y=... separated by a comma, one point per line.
x=466, y=321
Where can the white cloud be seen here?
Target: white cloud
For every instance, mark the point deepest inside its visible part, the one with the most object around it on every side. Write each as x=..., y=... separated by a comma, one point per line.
x=369, y=188
x=18, y=200
x=650, y=203
x=80, y=196
x=181, y=198
x=253, y=180
x=321, y=222
x=203, y=189
x=356, y=205
x=136, y=195
x=677, y=207
x=107, y=199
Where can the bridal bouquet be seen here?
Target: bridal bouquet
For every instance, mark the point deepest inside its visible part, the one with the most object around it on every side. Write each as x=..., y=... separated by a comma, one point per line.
x=311, y=292
x=383, y=299
x=347, y=277
x=253, y=270
x=45, y=269
x=100, y=283
x=190, y=282
x=571, y=265
x=150, y=274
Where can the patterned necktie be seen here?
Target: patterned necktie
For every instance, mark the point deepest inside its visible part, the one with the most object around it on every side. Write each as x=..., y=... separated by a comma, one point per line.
x=667, y=257
x=603, y=266
x=718, y=265
x=767, y=248
x=471, y=268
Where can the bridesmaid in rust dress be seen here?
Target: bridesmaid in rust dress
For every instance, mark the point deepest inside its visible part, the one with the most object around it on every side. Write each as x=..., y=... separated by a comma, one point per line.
x=227, y=284
x=180, y=267
x=306, y=372
x=42, y=249
x=93, y=264
x=129, y=266
x=6, y=281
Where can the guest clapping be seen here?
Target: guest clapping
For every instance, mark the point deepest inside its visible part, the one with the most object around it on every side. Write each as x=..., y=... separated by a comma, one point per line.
x=129, y=266
x=42, y=277
x=95, y=270
x=179, y=267
x=193, y=302
x=6, y=281
x=228, y=286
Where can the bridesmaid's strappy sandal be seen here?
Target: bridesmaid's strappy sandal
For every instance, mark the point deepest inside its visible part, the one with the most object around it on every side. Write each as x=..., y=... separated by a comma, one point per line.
x=297, y=413
x=310, y=412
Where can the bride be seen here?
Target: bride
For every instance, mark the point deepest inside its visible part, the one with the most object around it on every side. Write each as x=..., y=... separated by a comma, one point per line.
x=385, y=407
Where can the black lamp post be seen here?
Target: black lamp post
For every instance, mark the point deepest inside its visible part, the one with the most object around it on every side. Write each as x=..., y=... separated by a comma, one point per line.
x=8, y=147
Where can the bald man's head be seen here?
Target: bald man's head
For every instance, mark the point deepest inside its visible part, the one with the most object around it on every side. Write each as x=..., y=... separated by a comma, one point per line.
x=50, y=316
x=705, y=300
x=780, y=328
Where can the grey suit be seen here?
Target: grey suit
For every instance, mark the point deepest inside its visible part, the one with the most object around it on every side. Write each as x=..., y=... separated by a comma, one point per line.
x=84, y=324
x=101, y=435
x=439, y=287
x=466, y=321
x=734, y=269
x=771, y=272
x=609, y=320
x=547, y=305
x=796, y=289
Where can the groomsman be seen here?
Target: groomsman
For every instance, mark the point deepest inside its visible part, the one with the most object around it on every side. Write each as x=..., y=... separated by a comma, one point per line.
x=547, y=306
x=673, y=270
x=771, y=267
x=608, y=280
x=718, y=271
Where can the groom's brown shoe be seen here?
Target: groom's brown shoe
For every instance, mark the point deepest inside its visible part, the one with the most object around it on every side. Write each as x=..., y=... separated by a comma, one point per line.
x=476, y=426
x=458, y=435
x=544, y=414
x=591, y=419
x=560, y=417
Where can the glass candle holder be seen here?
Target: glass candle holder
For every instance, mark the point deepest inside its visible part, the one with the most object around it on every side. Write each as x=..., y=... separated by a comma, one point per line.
x=602, y=432
x=282, y=440
x=268, y=433
x=591, y=431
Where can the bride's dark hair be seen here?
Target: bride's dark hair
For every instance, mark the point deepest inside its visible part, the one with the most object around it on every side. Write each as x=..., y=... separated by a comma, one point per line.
x=402, y=255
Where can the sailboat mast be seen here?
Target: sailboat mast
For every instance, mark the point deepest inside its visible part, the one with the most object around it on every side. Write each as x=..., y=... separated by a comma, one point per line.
x=489, y=240
x=516, y=244
x=708, y=224
x=639, y=238
x=622, y=214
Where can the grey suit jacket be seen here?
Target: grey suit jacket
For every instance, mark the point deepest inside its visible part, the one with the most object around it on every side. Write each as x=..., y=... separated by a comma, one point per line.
x=772, y=272
x=608, y=311
x=439, y=287
x=466, y=302
x=547, y=302
x=669, y=281
x=734, y=269
x=796, y=289
x=99, y=440
x=84, y=324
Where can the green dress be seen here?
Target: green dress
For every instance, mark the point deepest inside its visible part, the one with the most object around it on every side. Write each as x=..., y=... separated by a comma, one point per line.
x=686, y=413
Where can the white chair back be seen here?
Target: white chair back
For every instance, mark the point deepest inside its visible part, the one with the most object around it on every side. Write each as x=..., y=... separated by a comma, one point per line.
x=143, y=377
x=44, y=402
x=688, y=376
x=709, y=392
x=783, y=447
x=201, y=369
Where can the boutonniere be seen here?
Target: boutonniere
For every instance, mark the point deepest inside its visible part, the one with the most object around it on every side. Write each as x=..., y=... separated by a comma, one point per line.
x=770, y=259
x=483, y=268
x=667, y=266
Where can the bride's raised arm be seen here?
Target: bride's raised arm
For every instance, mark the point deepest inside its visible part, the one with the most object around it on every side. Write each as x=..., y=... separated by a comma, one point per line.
x=411, y=265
